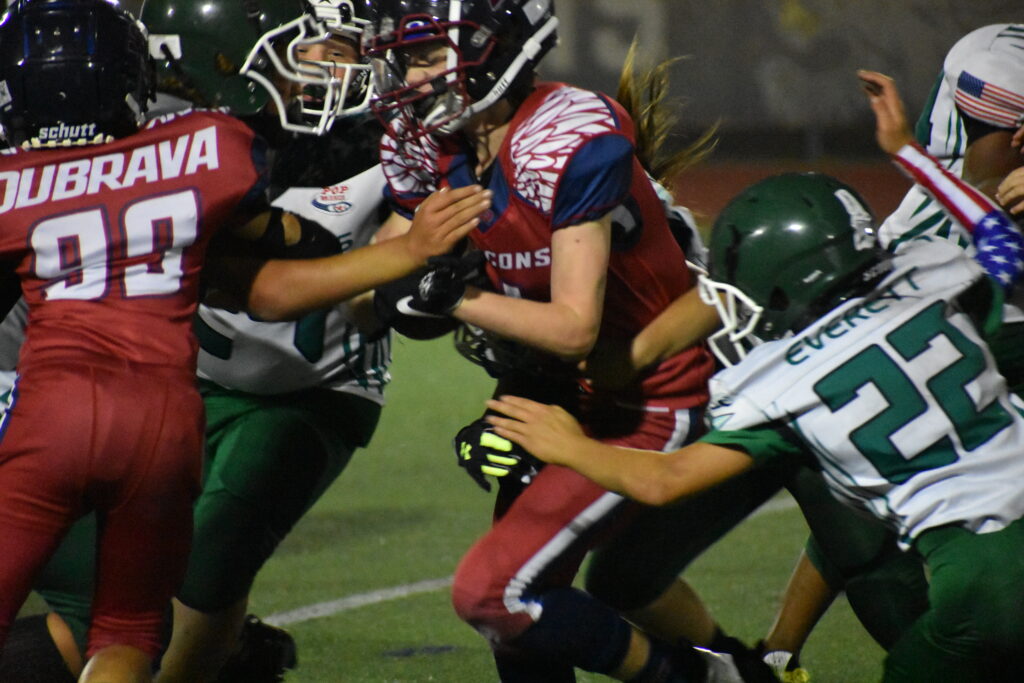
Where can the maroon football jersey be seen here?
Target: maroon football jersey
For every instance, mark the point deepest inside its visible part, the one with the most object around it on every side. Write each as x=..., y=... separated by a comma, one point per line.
x=568, y=157
x=109, y=239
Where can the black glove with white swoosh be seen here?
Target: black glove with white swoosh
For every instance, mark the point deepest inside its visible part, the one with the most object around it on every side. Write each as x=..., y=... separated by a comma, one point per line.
x=418, y=305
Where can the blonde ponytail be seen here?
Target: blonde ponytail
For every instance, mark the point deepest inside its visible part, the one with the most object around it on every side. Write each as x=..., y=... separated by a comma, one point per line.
x=644, y=94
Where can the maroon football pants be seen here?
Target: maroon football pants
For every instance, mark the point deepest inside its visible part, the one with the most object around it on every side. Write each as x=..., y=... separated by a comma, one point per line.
x=119, y=438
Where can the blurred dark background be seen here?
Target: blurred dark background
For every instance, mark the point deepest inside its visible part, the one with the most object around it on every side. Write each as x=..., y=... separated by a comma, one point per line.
x=778, y=74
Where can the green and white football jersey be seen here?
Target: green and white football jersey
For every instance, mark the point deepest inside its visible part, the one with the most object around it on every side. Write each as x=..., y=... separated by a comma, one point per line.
x=896, y=397
x=321, y=349
x=983, y=73
x=940, y=130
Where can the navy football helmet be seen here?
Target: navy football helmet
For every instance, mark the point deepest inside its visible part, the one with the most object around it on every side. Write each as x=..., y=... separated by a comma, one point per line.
x=72, y=72
x=490, y=50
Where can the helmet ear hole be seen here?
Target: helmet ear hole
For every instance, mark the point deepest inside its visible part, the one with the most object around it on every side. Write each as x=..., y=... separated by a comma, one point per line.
x=778, y=300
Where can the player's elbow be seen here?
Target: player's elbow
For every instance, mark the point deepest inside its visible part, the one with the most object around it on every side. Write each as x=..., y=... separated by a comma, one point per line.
x=272, y=299
x=575, y=344
x=652, y=491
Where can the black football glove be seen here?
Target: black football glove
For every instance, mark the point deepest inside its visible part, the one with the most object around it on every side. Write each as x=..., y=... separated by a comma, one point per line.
x=418, y=305
x=443, y=285
x=481, y=452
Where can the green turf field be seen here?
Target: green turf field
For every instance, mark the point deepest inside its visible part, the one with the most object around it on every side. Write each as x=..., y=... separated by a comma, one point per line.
x=371, y=560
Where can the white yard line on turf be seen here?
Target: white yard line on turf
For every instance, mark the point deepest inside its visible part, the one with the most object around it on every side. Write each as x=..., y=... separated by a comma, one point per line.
x=326, y=609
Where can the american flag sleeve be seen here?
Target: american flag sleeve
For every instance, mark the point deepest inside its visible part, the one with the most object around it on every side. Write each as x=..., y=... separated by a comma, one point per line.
x=999, y=244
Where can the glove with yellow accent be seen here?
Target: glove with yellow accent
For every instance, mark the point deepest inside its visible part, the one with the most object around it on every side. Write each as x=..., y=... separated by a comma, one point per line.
x=481, y=452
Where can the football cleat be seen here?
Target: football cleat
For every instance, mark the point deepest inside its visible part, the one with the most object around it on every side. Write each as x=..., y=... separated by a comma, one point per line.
x=786, y=667
x=263, y=655
x=748, y=662
x=720, y=667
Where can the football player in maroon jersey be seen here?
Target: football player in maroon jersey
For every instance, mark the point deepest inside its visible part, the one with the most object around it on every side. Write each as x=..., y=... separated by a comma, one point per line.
x=109, y=225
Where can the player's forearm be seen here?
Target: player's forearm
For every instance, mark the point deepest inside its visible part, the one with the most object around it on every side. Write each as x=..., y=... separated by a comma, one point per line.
x=685, y=322
x=964, y=203
x=636, y=474
x=555, y=328
x=654, y=477
x=994, y=233
x=285, y=289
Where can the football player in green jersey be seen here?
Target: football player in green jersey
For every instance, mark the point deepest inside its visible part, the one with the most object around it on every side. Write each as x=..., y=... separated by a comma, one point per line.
x=967, y=124
x=287, y=403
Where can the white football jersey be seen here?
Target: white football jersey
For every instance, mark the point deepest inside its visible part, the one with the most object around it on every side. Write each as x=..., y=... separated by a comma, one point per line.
x=897, y=398
x=323, y=348
x=12, y=334
x=983, y=74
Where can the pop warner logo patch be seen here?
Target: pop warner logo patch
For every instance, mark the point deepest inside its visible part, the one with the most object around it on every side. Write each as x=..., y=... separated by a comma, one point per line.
x=333, y=200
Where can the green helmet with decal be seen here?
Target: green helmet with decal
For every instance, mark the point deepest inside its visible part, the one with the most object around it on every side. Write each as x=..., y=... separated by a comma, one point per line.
x=785, y=251
x=238, y=54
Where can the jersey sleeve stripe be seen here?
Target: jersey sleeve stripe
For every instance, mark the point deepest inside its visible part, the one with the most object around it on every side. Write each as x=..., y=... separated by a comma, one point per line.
x=963, y=202
x=999, y=244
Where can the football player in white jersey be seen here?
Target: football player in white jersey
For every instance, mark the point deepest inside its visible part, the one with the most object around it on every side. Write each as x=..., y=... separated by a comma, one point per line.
x=974, y=108
x=289, y=402
x=874, y=363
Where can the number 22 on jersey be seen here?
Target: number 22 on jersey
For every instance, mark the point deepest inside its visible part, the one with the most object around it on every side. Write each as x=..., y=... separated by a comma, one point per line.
x=907, y=400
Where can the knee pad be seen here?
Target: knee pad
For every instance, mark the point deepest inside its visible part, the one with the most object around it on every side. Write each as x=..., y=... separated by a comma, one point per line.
x=575, y=628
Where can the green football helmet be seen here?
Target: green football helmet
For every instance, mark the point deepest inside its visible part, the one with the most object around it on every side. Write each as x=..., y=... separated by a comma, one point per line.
x=241, y=55
x=784, y=252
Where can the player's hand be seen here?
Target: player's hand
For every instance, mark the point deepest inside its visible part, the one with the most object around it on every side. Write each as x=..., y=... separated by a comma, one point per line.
x=444, y=218
x=548, y=432
x=1017, y=141
x=1010, y=193
x=418, y=306
x=481, y=452
x=892, y=131
x=443, y=287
